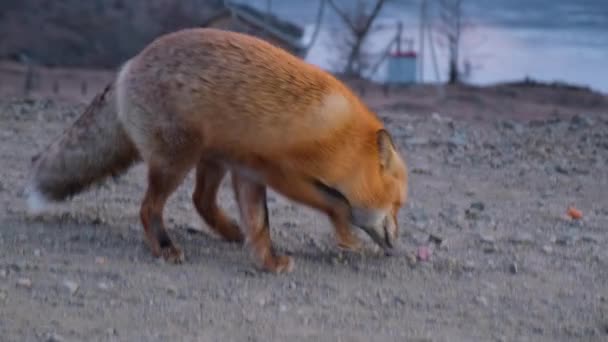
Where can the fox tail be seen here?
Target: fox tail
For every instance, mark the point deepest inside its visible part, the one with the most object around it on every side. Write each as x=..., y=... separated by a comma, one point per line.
x=94, y=147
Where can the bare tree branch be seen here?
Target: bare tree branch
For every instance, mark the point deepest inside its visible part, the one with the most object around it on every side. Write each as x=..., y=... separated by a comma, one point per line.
x=359, y=24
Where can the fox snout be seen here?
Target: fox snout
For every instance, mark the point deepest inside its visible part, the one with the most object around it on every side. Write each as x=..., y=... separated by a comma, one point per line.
x=380, y=226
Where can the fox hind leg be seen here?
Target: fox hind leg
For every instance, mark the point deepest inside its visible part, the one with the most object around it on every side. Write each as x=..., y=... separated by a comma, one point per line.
x=251, y=198
x=209, y=175
x=163, y=179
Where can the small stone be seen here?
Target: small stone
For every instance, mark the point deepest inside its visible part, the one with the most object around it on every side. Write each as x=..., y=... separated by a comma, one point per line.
x=37, y=253
x=411, y=259
x=481, y=300
x=547, y=249
x=469, y=265
x=435, y=239
x=589, y=238
x=71, y=286
x=103, y=286
x=566, y=239
x=513, y=268
x=172, y=289
x=24, y=282
x=282, y=308
x=423, y=253
x=480, y=206
x=522, y=238
x=55, y=338
x=580, y=121
x=458, y=139
x=292, y=285
x=262, y=301
x=487, y=238
x=3, y=273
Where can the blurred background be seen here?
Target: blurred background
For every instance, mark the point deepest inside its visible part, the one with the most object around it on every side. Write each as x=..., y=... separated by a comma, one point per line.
x=68, y=47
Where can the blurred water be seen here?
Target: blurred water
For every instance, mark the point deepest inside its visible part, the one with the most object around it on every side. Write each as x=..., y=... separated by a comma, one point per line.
x=550, y=40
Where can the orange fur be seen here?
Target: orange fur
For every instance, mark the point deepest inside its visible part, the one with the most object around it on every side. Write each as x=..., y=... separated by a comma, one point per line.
x=227, y=102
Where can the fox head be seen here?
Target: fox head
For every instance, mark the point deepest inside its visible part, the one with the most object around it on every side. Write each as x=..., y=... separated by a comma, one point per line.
x=381, y=193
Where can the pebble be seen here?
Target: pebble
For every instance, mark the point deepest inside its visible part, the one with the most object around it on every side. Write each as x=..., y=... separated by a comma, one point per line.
x=590, y=238
x=71, y=286
x=566, y=239
x=171, y=289
x=24, y=282
x=3, y=273
x=547, y=249
x=55, y=338
x=423, y=253
x=487, y=238
x=481, y=300
x=36, y=252
x=469, y=265
x=103, y=285
x=522, y=238
x=513, y=268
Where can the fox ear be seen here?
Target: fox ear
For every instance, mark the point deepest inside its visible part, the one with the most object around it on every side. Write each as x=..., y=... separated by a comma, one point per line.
x=385, y=147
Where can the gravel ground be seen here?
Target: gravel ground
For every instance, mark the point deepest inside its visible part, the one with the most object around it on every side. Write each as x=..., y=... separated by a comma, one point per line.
x=487, y=251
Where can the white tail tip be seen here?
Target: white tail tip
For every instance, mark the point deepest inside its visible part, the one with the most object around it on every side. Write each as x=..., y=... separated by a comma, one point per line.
x=36, y=201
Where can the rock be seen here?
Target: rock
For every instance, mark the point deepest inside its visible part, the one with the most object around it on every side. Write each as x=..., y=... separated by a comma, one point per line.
x=580, y=121
x=513, y=268
x=423, y=253
x=437, y=240
x=71, y=286
x=103, y=286
x=37, y=253
x=24, y=282
x=561, y=169
x=522, y=238
x=478, y=206
x=481, y=300
x=457, y=139
x=422, y=171
x=547, y=249
x=411, y=259
x=567, y=239
x=590, y=238
x=54, y=337
x=469, y=265
x=487, y=238
x=474, y=210
x=3, y=273
x=416, y=141
x=172, y=289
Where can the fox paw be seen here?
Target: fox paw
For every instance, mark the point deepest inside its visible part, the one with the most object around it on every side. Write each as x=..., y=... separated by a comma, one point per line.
x=278, y=264
x=350, y=244
x=172, y=254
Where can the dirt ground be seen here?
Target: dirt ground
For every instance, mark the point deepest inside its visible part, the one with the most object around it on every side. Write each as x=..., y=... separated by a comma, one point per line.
x=492, y=173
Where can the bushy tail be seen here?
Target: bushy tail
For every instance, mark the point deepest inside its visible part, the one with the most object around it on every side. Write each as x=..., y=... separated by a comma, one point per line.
x=94, y=147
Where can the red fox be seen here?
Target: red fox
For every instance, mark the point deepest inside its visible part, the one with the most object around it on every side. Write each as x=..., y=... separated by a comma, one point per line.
x=220, y=102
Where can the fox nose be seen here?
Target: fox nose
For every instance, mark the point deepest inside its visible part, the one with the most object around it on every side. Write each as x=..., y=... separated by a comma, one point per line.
x=389, y=236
